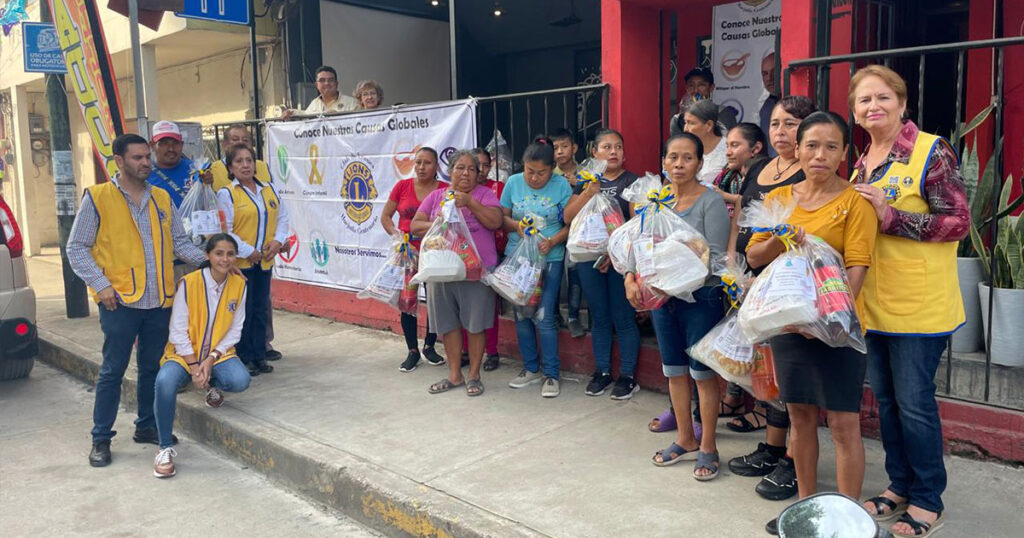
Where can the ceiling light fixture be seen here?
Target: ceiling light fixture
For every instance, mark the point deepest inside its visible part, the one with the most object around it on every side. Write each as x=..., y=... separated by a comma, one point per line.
x=498, y=11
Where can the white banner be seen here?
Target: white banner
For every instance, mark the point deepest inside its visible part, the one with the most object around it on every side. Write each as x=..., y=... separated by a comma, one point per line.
x=744, y=41
x=335, y=175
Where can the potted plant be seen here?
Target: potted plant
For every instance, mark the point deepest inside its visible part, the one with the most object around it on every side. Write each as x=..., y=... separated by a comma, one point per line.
x=1005, y=283
x=969, y=337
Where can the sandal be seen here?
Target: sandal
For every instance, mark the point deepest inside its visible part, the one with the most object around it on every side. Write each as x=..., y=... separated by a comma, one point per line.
x=745, y=426
x=474, y=387
x=673, y=455
x=880, y=502
x=725, y=410
x=709, y=461
x=444, y=385
x=921, y=528
x=666, y=422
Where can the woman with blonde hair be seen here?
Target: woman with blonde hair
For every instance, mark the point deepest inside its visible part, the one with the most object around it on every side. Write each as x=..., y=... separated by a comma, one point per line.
x=369, y=94
x=912, y=298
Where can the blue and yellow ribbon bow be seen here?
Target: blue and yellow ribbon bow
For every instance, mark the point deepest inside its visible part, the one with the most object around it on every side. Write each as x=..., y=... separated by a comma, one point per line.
x=731, y=290
x=197, y=173
x=586, y=177
x=658, y=199
x=403, y=247
x=785, y=232
x=529, y=226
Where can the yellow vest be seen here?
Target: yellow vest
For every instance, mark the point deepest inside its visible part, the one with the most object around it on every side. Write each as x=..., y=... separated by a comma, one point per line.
x=198, y=316
x=118, y=247
x=912, y=286
x=248, y=219
x=222, y=181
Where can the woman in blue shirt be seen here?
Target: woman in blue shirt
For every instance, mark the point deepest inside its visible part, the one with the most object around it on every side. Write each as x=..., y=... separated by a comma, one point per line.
x=542, y=194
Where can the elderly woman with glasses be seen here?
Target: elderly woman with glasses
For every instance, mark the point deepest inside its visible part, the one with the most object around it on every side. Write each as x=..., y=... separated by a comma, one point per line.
x=369, y=94
x=467, y=304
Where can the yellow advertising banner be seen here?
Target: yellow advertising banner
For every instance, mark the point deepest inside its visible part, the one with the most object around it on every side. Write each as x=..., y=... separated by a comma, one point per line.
x=80, y=31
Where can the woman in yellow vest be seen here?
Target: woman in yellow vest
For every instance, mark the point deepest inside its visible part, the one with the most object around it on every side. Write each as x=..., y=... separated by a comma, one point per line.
x=256, y=218
x=911, y=292
x=201, y=347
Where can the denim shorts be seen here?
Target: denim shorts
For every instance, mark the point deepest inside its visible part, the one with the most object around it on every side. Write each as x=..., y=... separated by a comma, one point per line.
x=680, y=324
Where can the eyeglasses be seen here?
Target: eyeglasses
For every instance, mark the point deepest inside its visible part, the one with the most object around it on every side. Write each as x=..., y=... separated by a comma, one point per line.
x=368, y=93
x=327, y=80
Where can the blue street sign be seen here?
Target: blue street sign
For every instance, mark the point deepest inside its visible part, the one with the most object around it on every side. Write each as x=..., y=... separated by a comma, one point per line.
x=229, y=11
x=41, y=49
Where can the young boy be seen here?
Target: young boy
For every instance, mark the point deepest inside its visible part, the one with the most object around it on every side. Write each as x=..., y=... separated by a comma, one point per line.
x=565, y=161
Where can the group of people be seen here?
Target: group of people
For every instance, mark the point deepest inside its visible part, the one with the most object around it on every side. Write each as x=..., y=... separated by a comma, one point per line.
x=368, y=95
x=199, y=314
x=895, y=222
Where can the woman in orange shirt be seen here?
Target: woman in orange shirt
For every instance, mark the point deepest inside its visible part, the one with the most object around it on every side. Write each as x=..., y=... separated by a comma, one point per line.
x=812, y=375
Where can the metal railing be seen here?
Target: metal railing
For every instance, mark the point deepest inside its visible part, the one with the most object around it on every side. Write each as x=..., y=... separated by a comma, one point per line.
x=891, y=57
x=583, y=110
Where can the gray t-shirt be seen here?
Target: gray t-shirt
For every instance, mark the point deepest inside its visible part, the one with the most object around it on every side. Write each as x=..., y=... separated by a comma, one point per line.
x=710, y=216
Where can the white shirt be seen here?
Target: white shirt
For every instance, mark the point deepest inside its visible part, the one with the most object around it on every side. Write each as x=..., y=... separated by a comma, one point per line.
x=343, y=103
x=178, y=336
x=227, y=205
x=714, y=162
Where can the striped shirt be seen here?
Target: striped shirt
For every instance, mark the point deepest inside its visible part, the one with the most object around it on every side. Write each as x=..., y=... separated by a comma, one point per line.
x=83, y=238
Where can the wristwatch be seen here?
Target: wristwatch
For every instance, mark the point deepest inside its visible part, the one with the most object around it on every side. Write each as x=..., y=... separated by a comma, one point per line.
x=215, y=354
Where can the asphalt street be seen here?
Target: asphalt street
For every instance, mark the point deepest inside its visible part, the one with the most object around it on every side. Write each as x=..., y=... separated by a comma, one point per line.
x=47, y=487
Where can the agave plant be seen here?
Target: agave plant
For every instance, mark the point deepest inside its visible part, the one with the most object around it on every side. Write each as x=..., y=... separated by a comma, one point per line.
x=1008, y=250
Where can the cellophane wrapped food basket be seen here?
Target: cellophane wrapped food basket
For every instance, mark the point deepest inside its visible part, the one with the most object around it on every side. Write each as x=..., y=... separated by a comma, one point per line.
x=447, y=252
x=805, y=289
x=657, y=245
x=200, y=214
x=596, y=220
x=726, y=349
x=393, y=283
x=518, y=278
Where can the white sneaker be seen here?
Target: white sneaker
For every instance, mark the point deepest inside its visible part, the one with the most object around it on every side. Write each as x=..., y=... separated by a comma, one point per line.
x=163, y=465
x=525, y=378
x=550, y=388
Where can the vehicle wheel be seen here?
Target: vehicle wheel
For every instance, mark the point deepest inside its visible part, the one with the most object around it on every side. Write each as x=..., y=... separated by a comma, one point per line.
x=15, y=368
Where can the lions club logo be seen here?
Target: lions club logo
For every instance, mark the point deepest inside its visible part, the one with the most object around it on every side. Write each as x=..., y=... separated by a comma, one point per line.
x=318, y=249
x=358, y=191
x=282, y=163
x=232, y=306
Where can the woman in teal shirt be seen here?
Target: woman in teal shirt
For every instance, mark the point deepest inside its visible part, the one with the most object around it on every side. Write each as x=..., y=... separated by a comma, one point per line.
x=540, y=193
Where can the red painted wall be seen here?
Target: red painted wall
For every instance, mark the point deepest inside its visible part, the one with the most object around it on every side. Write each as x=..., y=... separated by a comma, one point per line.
x=1013, y=92
x=630, y=65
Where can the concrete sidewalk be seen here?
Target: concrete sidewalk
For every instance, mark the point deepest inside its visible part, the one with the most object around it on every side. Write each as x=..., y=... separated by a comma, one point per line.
x=339, y=423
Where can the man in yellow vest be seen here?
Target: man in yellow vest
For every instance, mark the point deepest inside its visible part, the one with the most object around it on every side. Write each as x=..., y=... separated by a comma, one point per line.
x=236, y=134
x=239, y=134
x=122, y=245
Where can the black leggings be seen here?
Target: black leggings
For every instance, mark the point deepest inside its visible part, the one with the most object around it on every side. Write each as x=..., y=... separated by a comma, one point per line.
x=410, y=331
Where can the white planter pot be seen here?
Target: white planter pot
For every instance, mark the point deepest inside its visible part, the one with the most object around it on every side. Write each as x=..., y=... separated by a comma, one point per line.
x=969, y=337
x=1008, y=324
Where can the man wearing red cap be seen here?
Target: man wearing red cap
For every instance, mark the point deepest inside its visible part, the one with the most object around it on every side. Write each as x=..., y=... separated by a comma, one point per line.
x=171, y=169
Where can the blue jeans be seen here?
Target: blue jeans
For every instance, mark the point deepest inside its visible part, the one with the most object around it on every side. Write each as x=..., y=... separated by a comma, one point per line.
x=527, y=330
x=902, y=374
x=607, y=304
x=252, y=347
x=680, y=324
x=121, y=328
x=229, y=376
x=575, y=293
